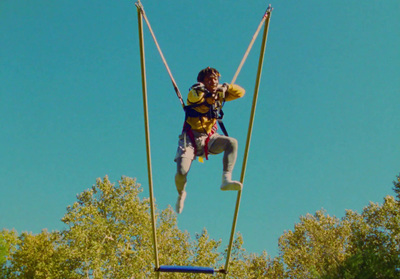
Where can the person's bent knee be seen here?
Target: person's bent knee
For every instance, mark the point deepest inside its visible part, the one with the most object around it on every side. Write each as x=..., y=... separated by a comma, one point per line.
x=180, y=178
x=181, y=171
x=233, y=143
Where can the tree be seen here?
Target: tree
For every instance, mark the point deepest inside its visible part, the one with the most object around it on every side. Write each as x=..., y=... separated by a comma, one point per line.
x=396, y=188
x=3, y=251
x=358, y=246
x=9, y=242
x=39, y=256
x=315, y=247
x=374, y=244
x=244, y=265
x=108, y=235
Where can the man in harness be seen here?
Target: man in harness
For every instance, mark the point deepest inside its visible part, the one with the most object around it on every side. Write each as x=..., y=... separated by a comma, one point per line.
x=199, y=137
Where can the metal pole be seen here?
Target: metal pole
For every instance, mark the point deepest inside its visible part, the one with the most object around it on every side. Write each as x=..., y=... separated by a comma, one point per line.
x=253, y=109
x=147, y=132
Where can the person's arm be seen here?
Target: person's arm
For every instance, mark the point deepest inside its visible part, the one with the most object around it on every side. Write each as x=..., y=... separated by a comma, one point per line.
x=233, y=92
x=196, y=94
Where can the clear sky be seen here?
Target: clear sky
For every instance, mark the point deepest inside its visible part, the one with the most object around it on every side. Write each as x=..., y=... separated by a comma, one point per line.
x=326, y=133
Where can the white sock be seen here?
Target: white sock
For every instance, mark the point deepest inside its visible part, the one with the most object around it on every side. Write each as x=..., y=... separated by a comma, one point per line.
x=180, y=202
x=228, y=184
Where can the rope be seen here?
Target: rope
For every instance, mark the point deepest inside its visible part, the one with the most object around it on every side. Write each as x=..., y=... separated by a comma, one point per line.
x=267, y=12
x=146, y=124
x=252, y=114
x=178, y=93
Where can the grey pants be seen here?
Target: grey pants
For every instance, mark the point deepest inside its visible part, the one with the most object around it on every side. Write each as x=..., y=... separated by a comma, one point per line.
x=217, y=144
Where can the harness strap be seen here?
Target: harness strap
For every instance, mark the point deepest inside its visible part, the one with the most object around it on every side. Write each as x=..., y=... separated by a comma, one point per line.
x=212, y=113
x=213, y=130
x=188, y=130
x=222, y=126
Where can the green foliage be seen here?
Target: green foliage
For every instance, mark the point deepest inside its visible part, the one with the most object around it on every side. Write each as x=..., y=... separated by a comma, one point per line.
x=358, y=246
x=109, y=235
x=396, y=188
x=315, y=247
x=9, y=246
x=374, y=245
x=3, y=255
x=205, y=250
x=39, y=256
x=237, y=268
x=244, y=265
x=3, y=251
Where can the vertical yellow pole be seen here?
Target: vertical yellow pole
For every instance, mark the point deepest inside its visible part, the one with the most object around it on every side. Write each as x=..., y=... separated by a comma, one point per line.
x=146, y=125
x=249, y=132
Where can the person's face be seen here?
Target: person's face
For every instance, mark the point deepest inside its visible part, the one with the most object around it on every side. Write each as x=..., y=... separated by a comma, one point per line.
x=211, y=83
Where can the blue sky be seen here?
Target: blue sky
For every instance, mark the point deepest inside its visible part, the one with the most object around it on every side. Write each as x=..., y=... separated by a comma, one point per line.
x=326, y=133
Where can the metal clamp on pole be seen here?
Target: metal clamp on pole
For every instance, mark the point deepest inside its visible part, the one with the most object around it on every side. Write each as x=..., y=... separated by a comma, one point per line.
x=269, y=10
x=139, y=6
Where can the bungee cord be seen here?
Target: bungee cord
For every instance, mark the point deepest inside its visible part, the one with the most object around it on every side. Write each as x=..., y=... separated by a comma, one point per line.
x=266, y=15
x=178, y=93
